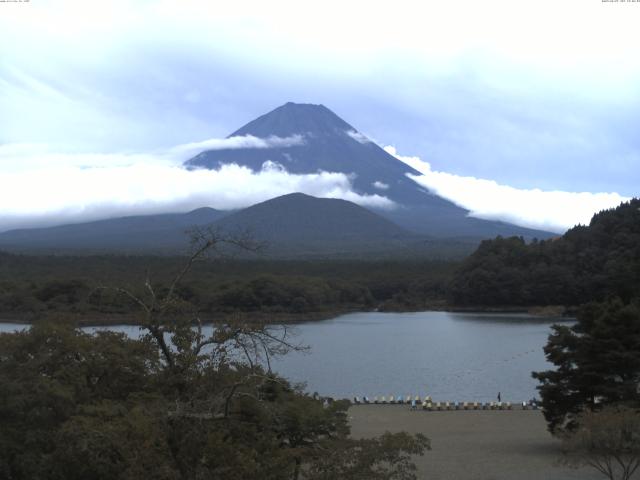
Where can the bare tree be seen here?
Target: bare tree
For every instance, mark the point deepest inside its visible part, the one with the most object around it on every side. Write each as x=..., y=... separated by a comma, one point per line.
x=176, y=328
x=607, y=440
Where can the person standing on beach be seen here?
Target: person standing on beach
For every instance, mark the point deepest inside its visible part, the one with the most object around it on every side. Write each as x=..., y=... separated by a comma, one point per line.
x=499, y=398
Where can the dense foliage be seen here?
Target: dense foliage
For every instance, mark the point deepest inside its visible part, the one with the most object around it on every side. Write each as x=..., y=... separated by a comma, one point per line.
x=587, y=263
x=79, y=406
x=596, y=267
x=32, y=287
x=597, y=363
x=174, y=404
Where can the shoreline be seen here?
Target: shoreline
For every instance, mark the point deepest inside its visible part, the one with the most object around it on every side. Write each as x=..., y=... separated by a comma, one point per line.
x=105, y=320
x=287, y=318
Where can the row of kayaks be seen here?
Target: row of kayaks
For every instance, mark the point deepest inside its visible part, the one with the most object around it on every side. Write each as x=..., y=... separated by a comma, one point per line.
x=391, y=399
x=426, y=403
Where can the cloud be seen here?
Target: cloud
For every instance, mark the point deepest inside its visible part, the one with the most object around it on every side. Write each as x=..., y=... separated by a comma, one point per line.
x=358, y=137
x=380, y=185
x=67, y=188
x=238, y=142
x=549, y=210
x=480, y=94
x=25, y=156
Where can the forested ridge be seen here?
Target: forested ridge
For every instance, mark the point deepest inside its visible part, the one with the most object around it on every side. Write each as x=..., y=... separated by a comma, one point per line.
x=34, y=287
x=591, y=397
x=587, y=263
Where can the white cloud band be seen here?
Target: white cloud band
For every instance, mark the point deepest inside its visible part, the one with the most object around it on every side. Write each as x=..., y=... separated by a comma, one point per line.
x=58, y=188
x=232, y=143
x=548, y=210
x=358, y=137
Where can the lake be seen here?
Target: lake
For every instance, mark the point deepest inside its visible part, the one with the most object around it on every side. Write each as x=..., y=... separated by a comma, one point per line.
x=450, y=356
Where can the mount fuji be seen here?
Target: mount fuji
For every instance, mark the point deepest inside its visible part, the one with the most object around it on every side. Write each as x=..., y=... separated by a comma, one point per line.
x=301, y=138
x=325, y=142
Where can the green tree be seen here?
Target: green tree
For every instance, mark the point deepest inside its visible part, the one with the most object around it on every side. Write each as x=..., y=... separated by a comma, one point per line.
x=597, y=363
x=47, y=374
x=387, y=457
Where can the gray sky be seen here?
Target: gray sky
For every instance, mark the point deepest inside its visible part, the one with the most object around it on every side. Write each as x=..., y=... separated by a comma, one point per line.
x=534, y=96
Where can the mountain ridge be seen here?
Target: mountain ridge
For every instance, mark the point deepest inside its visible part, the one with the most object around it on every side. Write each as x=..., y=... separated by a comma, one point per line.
x=301, y=218
x=118, y=234
x=292, y=226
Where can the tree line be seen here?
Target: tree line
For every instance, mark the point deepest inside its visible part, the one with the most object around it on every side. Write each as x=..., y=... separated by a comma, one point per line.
x=591, y=399
x=587, y=263
x=34, y=287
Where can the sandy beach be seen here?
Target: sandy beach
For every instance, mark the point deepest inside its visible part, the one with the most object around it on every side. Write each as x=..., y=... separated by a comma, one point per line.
x=474, y=445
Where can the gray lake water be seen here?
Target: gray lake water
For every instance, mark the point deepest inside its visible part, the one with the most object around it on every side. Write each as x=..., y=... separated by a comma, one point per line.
x=450, y=356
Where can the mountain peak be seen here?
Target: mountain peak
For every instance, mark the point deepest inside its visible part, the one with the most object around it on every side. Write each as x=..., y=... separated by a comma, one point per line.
x=301, y=219
x=295, y=196
x=296, y=119
x=301, y=105
x=328, y=144
x=297, y=199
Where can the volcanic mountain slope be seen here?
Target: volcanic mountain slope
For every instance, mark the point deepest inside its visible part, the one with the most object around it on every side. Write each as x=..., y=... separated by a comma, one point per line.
x=302, y=225
x=152, y=233
x=291, y=226
x=329, y=143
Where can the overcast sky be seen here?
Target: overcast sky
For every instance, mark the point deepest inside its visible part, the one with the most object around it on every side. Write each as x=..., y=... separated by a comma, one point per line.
x=512, y=96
